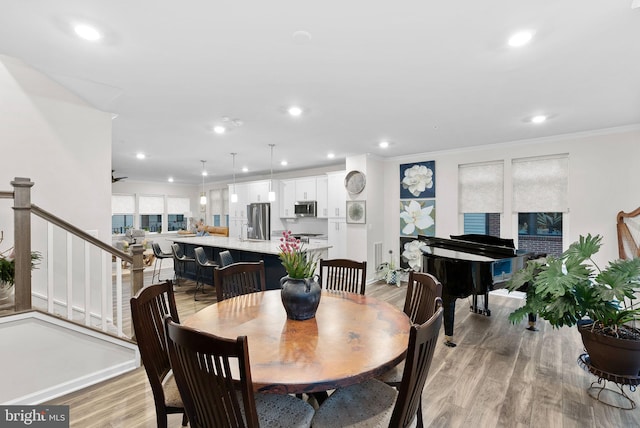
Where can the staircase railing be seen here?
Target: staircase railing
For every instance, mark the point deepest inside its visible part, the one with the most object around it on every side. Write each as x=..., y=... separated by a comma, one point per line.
x=111, y=258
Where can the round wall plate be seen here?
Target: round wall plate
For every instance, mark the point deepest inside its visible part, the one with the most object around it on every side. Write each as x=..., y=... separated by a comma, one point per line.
x=354, y=182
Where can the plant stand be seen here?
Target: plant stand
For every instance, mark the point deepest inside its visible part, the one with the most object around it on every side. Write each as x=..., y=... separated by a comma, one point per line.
x=599, y=386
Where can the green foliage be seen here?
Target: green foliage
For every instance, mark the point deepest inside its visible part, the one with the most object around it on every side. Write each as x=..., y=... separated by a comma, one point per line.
x=566, y=289
x=297, y=262
x=8, y=267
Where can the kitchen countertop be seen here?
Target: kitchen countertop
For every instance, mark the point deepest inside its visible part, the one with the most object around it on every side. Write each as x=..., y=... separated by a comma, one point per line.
x=252, y=245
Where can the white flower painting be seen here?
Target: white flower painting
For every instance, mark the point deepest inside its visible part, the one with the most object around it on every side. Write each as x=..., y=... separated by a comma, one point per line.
x=417, y=217
x=417, y=180
x=410, y=253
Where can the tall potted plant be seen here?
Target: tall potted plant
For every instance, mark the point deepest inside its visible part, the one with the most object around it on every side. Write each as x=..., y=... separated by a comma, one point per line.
x=8, y=271
x=573, y=290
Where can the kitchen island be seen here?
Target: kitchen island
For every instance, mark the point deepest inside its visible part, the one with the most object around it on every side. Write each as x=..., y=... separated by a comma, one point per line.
x=246, y=250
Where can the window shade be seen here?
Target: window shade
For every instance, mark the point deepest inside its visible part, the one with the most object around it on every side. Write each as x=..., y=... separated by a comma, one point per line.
x=151, y=205
x=541, y=184
x=178, y=205
x=123, y=204
x=481, y=187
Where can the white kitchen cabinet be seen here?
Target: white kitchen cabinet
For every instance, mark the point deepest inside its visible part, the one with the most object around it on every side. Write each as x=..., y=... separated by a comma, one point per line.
x=258, y=191
x=287, y=198
x=238, y=210
x=337, y=195
x=306, y=189
x=337, y=238
x=322, y=197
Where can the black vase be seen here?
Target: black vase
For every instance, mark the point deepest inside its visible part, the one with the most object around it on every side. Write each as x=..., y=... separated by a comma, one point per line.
x=300, y=297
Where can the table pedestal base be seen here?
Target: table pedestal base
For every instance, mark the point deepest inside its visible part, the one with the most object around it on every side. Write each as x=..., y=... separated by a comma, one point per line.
x=610, y=395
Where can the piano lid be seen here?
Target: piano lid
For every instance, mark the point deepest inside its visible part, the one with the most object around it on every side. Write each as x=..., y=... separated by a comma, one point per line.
x=475, y=251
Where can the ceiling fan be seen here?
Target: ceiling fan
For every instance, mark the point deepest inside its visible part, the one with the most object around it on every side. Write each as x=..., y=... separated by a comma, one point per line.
x=115, y=179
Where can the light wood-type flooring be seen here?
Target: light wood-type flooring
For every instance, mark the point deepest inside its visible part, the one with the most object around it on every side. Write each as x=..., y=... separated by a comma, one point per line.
x=499, y=375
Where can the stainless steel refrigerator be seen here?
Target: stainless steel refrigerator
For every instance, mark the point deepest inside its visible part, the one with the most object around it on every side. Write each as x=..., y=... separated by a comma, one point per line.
x=259, y=221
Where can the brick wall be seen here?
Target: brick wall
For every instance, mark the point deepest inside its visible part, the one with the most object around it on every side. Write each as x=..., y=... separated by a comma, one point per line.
x=552, y=245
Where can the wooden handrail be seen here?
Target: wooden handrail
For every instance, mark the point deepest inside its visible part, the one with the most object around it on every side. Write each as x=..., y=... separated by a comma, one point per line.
x=6, y=194
x=46, y=215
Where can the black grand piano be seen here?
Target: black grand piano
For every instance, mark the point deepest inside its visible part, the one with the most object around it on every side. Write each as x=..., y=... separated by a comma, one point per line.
x=469, y=265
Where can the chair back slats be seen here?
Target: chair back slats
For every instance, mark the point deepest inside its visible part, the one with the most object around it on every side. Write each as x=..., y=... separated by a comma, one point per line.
x=213, y=376
x=149, y=307
x=422, y=343
x=343, y=275
x=422, y=290
x=238, y=279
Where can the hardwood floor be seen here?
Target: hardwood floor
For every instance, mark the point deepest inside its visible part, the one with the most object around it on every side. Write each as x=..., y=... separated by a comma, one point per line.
x=499, y=375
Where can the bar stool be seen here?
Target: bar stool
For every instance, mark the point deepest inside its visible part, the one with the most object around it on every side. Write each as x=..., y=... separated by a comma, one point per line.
x=160, y=255
x=179, y=261
x=202, y=262
x=226, y=258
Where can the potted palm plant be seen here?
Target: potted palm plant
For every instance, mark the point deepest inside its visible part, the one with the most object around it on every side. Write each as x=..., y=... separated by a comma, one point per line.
x=8, y=270
x=573, y=290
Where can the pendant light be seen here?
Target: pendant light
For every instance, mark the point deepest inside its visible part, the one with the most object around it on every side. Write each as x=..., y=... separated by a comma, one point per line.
x=234, y=195
x=203, y=195
x=272, y=194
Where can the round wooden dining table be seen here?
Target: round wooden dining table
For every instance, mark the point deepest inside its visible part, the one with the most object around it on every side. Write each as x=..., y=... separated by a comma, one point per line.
x=351, y=339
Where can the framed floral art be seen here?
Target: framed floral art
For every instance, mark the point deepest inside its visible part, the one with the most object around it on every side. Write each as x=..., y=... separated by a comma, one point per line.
x=418, y=217
x=418, y=180
x=410, y=254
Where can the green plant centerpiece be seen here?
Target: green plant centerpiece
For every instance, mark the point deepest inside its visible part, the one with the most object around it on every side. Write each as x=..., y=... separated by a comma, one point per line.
x=300, y=289
x=573, y=290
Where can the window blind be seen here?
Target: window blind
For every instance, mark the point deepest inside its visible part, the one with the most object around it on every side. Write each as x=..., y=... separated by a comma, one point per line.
x=541, y=184
x=481, y=187
x=151, y=205
x=178, y=205
x=123, y=204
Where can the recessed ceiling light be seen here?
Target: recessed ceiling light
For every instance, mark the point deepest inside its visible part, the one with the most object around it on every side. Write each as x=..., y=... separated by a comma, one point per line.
x=245, y=169
x=284, y=163
x=294, y=111
x=170, y=179
x=301, y=37
x=538, y=119
x=87, y=32
x=331, y=155
x=520, y=39
x=383, y=144
x=219, y=129
x=140, y=155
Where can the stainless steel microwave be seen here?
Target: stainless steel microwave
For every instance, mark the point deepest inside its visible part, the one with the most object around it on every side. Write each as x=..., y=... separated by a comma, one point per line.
x=305, y=208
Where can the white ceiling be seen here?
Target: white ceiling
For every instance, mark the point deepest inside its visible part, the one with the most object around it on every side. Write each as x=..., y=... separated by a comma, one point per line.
x=425, y=75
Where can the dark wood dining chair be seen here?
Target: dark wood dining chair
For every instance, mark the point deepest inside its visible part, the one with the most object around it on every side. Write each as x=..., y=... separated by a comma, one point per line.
x=214, y=378
x=160, y=256
x=180, y=261
x=374, y=403
x=202, y=263
x=148, y=309
x=343, y=275
x=424, y=292
x=239, y=278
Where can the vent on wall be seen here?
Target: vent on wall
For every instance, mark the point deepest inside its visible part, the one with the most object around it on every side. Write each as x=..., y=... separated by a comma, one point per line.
x=377, y=254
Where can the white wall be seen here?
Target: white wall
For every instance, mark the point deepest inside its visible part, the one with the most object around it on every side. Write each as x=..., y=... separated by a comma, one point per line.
x=63, y=145
x=603, y=180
